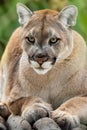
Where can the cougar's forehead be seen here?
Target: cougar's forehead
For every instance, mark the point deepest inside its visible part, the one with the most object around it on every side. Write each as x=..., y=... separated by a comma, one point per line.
x=46, y=12
x=44, y=23
x=42, y=17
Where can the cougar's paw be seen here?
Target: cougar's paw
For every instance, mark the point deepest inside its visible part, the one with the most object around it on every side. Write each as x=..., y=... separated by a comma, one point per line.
x=35, y=112
x=46, y=124
x=4, y=112
x=2, y=124
x=17, y=123
x=2, y=127
x=65, y=120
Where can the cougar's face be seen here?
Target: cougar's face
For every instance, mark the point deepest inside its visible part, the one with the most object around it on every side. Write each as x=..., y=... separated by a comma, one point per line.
x=46, y=42
x=46, y=37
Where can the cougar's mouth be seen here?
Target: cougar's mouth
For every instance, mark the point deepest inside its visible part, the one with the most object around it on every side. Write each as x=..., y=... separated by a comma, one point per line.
x=41, y=69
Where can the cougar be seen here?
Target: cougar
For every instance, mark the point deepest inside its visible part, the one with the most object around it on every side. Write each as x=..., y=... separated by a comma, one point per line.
x=44, y=68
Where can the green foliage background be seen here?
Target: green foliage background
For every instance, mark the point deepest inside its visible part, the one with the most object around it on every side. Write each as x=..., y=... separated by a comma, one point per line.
x=8, y=16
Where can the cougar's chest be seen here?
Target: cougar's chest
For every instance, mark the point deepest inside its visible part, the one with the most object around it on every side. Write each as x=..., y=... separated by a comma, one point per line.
x=55, y=87
x=47, y=90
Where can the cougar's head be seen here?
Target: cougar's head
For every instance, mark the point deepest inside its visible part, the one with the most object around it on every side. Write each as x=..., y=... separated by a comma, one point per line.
x=46, y=37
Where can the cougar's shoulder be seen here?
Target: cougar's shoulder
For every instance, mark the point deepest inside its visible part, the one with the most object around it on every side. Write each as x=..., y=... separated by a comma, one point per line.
x=13, y=49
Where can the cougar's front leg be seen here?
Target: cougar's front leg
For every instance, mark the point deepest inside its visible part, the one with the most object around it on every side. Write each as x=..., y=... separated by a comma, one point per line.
x=71, y=113
x=30, y=108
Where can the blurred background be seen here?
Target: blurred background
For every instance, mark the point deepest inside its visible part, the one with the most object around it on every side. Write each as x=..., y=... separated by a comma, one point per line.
x=9, y=22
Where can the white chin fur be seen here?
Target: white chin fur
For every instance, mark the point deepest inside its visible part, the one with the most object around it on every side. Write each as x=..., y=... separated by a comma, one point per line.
x=46, y=67
x=42, y=71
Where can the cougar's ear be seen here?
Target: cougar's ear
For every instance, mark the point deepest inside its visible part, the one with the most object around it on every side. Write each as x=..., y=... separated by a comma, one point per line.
x=24, y=13
x=68, y=15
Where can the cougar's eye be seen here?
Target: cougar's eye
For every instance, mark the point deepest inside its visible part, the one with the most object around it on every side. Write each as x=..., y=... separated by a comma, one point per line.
x=30, y=39
x=54, y=40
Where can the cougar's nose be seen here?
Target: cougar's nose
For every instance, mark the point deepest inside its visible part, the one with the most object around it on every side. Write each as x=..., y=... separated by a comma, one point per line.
x=40, y=58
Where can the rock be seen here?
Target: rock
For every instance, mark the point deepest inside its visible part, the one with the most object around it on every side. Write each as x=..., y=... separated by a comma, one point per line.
x=17, y=123
x=81, y=127
x=46, y=124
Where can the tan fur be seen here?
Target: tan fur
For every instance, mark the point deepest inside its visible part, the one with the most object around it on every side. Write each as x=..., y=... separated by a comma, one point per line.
x=66, y=80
